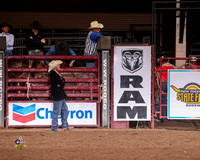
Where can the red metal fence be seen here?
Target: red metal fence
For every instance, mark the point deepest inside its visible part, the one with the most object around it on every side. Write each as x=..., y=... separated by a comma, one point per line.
x=24, y=84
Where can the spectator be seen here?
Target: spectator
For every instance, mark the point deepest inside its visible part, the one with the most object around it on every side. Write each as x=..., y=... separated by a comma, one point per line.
x=91, y=41
x=130, y=38
x=35, y=40
x=61, y=48
x=165, y=66
x=58, y=95
x=9, y=38
x=194, y=64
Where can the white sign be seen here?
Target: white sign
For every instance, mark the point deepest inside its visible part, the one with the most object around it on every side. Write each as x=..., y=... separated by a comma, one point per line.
x=132, y=83
x=41, y=114
x=183, y=94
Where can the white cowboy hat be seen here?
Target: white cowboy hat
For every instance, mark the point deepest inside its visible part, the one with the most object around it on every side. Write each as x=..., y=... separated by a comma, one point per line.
x=95, y=24
x=53, y=64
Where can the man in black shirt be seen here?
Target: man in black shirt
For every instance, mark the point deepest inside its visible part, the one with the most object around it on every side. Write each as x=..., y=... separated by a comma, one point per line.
x=35, y=40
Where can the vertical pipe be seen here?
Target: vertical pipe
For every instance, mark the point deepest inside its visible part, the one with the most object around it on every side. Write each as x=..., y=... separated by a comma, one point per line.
x=2, y=88
x=6, y=93
x=160, y=103
x=152, y=88
x=98, y=102
x=105, y=89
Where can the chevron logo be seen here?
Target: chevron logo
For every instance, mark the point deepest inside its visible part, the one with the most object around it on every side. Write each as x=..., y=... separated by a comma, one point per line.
x=23, y=114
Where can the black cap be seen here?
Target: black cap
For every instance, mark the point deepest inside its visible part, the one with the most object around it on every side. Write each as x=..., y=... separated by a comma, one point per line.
x=35, y=25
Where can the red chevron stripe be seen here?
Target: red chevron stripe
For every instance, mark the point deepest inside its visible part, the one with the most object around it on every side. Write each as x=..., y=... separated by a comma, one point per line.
x=24, y=119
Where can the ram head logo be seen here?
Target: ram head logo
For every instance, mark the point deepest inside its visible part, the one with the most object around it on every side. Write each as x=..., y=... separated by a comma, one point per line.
x=132, y=60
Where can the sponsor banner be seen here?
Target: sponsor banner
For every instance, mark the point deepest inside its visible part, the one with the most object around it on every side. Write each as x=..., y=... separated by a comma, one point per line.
x=183, y=94
x=41, y=114
x=132, y=83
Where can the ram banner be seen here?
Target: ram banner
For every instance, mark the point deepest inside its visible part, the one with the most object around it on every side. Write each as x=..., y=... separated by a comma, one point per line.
x=132, y=83
x=183, y=94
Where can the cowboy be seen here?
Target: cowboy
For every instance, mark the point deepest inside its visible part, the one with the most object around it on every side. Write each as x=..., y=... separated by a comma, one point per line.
x=58, y=95
x=91, y=41
x=61, y=48
x=165, y=66
x=194, y=64
x=35, y=40
x=35, y=44
x=9, y=38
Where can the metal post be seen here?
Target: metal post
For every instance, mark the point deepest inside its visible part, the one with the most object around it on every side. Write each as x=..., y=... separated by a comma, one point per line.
x=154, y=26
x=105, y=88
x=2, y=88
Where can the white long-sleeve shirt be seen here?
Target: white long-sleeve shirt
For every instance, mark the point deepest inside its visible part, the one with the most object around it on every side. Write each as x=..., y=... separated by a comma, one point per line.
x=9, y=41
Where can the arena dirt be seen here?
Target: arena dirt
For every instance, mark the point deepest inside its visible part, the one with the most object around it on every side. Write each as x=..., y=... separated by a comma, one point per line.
x=164, y=142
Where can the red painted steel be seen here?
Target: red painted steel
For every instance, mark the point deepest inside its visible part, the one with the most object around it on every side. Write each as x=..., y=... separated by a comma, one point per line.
x=47, y=95
x=46, y=80
x=152, y=87
x=91, y=84
x=39, y=57
x=46, y=69
x=44, y=88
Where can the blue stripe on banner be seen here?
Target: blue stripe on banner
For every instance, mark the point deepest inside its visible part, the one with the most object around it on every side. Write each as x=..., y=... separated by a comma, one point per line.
x=23, y=110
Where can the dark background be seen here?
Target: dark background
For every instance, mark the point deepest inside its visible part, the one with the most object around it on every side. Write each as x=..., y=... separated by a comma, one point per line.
x=111, y=6
x=78, y=6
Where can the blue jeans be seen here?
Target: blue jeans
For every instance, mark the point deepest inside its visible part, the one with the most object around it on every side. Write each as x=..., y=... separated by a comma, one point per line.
x=8, y=52
x=90, y=64
x=164, y=101
x=35, y=52
x=157, y=104
x=59, y=108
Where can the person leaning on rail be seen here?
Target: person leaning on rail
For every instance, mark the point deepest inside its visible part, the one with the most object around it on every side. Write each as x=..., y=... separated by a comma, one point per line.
x=61, y=48
x=35, y=42
x=91, y=41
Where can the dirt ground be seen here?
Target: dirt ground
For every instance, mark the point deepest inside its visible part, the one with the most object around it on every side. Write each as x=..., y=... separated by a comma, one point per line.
x=170, y=140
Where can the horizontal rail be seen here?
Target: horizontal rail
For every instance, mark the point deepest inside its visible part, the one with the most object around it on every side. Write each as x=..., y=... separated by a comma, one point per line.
x=49, y=101
x=46, y=70
x=50, y=57
x=46, y=80
x=44, y=88
x=47, y=95
x=177, y=58
x=31, y=80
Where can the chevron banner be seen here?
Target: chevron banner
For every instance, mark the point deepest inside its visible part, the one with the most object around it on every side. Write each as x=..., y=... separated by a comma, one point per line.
x=40, y=114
